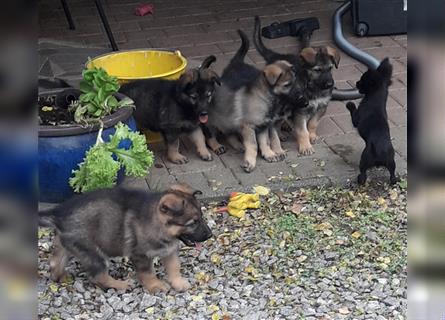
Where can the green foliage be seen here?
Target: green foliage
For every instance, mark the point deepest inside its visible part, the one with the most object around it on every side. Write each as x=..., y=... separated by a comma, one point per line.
x=97, y=99
x=99, y=168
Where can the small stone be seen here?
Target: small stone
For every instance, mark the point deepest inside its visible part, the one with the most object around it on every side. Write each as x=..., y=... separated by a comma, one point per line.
x=78, y=285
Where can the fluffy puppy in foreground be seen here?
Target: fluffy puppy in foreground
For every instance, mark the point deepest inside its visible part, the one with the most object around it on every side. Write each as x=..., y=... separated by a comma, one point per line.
x=371, y=120
x=119, y=222
x=247, y=105
x=176, y=107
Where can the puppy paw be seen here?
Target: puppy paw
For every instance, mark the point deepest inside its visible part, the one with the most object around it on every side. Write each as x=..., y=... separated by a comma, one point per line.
x=306, y=150
x=283, y=137
x=286, y=127
x=206, y=156
x=270, y=156
x=361, y=179
x=179, y=159
x=281, y=155
x=248, y=166
x=121, y=285
x=155, y=286
x=313, y=138
x=180, y=284
x=220, y=150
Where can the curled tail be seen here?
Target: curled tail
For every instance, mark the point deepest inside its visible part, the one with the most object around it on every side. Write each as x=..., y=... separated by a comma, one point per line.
x=268, y=55
x=207, y=62
x=242, y=51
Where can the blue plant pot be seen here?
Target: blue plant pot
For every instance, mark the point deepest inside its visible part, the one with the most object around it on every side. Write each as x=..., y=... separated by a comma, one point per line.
x=62, y=148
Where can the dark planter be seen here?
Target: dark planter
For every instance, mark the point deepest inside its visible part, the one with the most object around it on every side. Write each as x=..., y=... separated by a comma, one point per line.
x=62, y=148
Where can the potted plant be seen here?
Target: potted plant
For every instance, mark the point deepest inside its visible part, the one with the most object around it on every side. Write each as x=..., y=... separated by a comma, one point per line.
x=69, y=122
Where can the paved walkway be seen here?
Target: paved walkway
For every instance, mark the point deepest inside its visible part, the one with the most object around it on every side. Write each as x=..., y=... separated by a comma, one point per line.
x=202, y=27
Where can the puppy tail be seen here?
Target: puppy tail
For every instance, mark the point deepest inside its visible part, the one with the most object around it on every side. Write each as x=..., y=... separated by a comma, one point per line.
x=268, y=55
x=242, y=51
x=207, y=62
x=385, y=69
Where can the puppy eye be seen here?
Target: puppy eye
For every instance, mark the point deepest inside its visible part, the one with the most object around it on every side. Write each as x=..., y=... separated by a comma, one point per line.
x=317, y=69
x=191, y=223
x=193, y=96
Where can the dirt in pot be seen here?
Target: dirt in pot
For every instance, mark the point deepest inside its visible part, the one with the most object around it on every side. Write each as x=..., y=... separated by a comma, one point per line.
x=52, y=115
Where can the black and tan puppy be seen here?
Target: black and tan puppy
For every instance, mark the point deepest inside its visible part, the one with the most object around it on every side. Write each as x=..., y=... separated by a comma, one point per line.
x=247, y=105
x=176, y=107
x=313, y=66
x=119, y=222
x=371, y=121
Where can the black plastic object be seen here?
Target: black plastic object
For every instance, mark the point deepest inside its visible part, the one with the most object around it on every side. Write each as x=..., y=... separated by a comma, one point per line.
x=379, y=17
x=351, y=51
x=292, y=28
x=66, y=97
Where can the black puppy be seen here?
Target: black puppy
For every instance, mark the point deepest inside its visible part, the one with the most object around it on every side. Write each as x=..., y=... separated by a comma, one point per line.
x=371, y=121
x=175, y=107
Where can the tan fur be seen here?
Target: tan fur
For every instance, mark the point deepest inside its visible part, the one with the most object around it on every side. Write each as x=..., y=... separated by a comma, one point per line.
x=151, y=282
x=173, y=153
x=214, y=144
x=173, y=268
x=334, y=54
x=182, y=187
x=309, y=55
x=275, y=143
x=197, y=137
x=302, y=135
x=105, y=281
x=251, y=148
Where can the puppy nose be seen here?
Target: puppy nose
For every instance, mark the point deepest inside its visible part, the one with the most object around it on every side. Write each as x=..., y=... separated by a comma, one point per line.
x=209, y=233
x=329, y=84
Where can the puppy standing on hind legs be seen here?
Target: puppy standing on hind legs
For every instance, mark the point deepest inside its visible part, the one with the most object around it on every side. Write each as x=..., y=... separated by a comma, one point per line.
x=371, y=120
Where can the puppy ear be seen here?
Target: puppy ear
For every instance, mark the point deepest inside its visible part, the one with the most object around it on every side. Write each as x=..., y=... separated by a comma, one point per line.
x=188, y=78
x=272, y=73
x=309, y=55
x=215, y=78
x=182, y=187
x=334, y=54
x=171, y=204
x=385, y=69
x=212, y=76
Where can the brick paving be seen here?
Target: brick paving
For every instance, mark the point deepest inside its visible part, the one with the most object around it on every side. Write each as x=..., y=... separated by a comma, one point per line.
x=201, y=27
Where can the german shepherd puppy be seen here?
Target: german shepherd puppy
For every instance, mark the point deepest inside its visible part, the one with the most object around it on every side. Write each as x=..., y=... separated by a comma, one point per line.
x=247, y=105
x=371, y=121
x=314, y=73
x=119, y=222
x=175, y=107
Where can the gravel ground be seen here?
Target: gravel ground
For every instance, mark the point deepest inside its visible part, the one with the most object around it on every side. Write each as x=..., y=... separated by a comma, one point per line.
x=323, y=253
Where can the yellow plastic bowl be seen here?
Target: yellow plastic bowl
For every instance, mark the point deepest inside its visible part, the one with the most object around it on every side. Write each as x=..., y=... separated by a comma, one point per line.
x=141, y=64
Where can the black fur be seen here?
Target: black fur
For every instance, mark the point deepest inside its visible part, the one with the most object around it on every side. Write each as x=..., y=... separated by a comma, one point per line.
x=167, y=106
x=371, y=120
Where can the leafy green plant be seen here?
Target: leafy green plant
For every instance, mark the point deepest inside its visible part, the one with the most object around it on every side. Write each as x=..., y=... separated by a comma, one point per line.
x=97, y=99
x=103, y=161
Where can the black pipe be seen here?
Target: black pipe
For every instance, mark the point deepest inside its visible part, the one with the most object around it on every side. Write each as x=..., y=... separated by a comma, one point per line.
x=106, y=25
x=68, y=16
x=350, y=50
